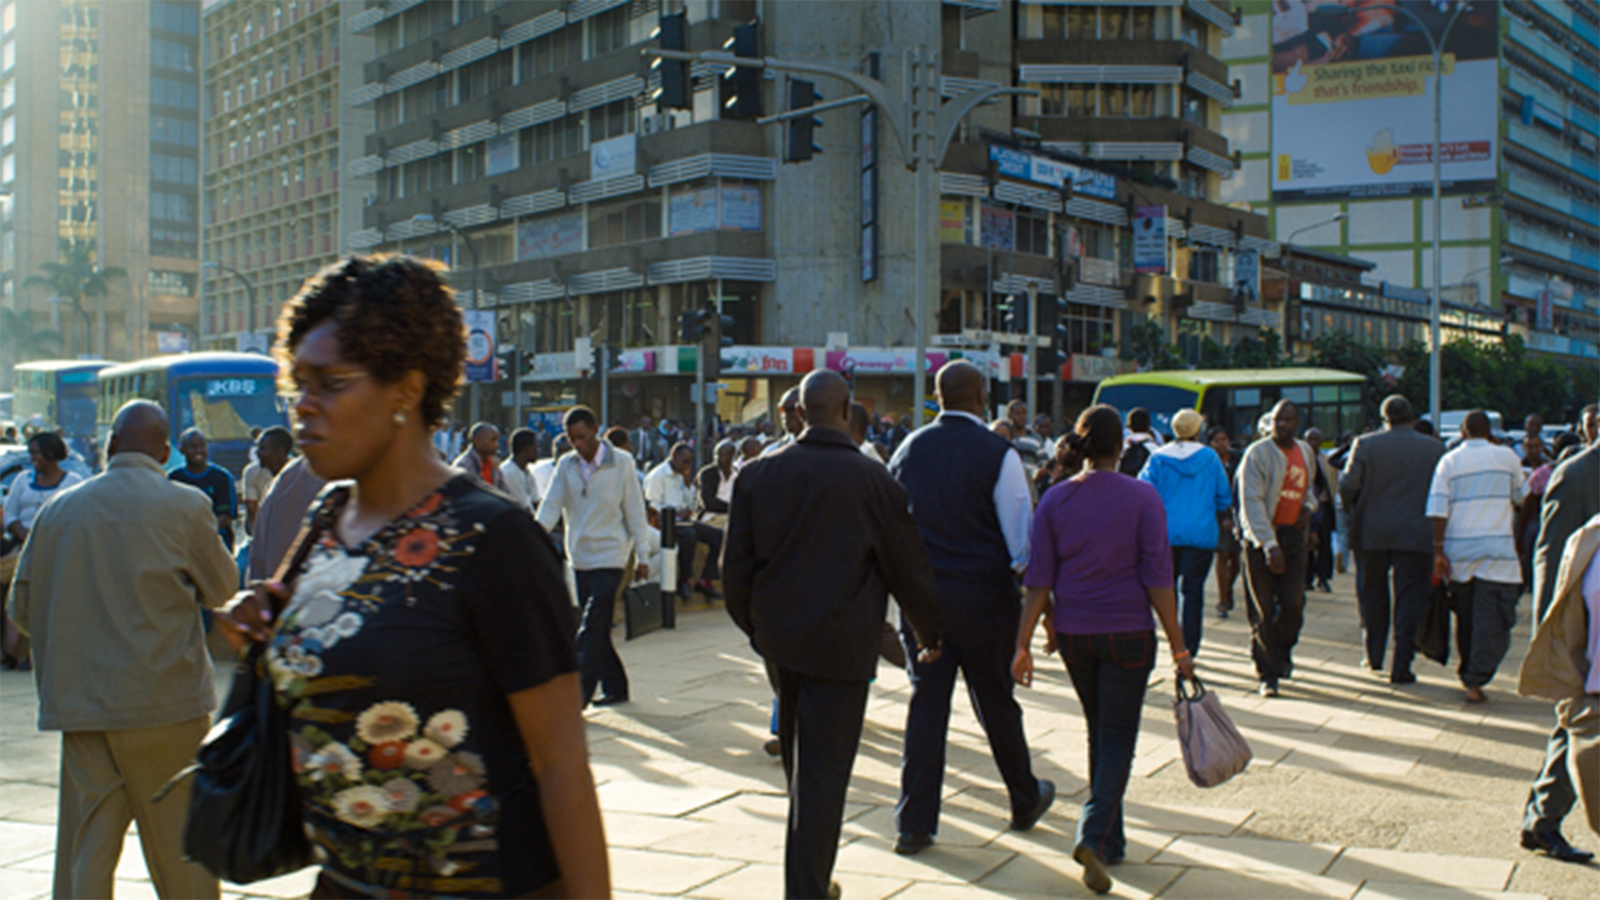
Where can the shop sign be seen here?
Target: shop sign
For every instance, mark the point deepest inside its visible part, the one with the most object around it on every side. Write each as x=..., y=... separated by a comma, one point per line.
x=1087, y=367
x=633, y=361
x=768, y=360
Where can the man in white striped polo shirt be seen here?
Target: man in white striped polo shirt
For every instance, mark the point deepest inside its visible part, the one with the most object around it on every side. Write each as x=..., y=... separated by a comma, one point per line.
x=1471, y=503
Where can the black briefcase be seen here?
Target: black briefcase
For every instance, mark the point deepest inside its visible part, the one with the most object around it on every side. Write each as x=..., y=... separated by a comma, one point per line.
x=642, y=605
x=1433, y=632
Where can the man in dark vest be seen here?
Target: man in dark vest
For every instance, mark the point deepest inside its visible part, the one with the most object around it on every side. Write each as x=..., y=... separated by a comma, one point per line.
x=969, y=496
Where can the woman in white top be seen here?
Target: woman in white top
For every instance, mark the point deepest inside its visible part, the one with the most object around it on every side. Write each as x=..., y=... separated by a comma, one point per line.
x=29, y=491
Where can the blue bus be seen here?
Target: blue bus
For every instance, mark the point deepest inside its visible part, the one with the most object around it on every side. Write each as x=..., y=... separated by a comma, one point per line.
x=59, y=395
x=225, y=395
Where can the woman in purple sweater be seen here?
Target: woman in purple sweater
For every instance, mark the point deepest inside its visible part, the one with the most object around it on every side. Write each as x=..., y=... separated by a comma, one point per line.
x=1100, y=546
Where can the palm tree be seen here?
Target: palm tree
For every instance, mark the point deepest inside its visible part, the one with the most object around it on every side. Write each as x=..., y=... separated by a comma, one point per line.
x=76, y=276
x=19, y=342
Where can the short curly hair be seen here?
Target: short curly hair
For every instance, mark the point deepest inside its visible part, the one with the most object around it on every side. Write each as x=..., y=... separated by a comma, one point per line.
x=395, y=315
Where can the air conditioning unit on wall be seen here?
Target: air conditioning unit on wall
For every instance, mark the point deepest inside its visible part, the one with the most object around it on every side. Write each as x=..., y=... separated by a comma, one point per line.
x=655, y=123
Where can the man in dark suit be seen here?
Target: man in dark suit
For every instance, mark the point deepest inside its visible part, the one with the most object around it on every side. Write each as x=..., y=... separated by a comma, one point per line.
x=1385, y=488
x=1570, y=500
x=808, y=579
x=969, y=496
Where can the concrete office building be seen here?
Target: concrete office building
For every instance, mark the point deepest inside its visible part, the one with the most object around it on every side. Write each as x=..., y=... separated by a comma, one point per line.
x=1521, y=210
x=276, y=129
x=531, y=128
x=99, y=143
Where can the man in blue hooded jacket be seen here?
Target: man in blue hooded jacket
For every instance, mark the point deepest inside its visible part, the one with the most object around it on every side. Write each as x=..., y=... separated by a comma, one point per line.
x=1194, y=489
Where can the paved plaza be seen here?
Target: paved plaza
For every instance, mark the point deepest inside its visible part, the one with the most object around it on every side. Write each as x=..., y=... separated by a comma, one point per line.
x=1357, y=790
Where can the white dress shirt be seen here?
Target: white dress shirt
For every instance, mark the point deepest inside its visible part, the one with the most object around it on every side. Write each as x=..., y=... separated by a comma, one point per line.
x=520, y=484
x=664, y=488
x=1013, y=502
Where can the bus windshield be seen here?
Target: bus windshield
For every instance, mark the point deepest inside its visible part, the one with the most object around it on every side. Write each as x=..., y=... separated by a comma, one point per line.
x=76, y=406
x=1162, y=400
x=226, y=407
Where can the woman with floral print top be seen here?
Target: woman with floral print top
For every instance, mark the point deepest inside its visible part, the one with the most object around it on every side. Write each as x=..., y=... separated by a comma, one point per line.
x=424, y=654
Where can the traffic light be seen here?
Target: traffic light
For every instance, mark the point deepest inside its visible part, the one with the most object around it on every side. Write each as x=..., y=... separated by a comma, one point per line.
x=1017, y=318
x=504, y=361
x=676, y=90
x=742, y=86
x=716, y=337
x=691, y=326
x=800, y=133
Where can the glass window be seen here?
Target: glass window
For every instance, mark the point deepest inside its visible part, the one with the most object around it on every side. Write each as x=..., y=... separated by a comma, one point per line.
x=1247, y=397
x=1081, y=23
x=1081, y=99
x=1299, y=395
x=624, y=221
x=608, y=31
x=1163, y=401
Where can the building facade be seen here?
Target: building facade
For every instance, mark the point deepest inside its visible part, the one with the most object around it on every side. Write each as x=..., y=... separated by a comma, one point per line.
x=276, y=129
x=521, y=142
x=1521, y=209
x=99, y=149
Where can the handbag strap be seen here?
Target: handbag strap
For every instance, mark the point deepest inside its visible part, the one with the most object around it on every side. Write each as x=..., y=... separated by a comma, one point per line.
x=321, y=520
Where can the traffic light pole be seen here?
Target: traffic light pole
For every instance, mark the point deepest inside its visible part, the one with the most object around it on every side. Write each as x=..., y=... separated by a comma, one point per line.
x=922, y=127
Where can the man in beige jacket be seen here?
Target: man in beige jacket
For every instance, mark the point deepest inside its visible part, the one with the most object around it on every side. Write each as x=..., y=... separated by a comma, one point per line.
x=109, y=587
x=1563, y=664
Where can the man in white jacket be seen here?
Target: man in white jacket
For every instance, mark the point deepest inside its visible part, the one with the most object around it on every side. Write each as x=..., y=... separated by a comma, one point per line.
x=596, y=489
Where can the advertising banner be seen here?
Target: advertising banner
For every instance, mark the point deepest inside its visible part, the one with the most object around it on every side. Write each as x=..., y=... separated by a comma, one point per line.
x=952, y=221
x=741, y=207
x=617, y=156
x=882, y=362
x=999, y=227
x=480, y=344
x=692, y=211
x=1247, y=274
x=1352, y=99
x=1150, y=240
x=172, y=342
x=540, y=238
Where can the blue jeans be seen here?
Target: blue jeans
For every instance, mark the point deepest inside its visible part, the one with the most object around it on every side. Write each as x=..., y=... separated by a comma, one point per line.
x=1109, y=672
x=1190, y=566
x=598, y=662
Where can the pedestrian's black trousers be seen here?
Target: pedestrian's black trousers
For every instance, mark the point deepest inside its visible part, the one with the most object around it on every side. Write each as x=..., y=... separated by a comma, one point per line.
x=1276, y=603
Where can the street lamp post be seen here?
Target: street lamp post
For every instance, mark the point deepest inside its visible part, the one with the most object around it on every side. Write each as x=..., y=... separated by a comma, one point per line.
x=249, y=286
x=1437, y=46
x=1288, y=251
x=476, y=396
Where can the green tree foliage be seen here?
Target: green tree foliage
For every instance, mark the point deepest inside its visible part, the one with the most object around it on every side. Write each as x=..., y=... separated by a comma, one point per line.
x=1146, y=343
x=76, y=276
x=20, y=342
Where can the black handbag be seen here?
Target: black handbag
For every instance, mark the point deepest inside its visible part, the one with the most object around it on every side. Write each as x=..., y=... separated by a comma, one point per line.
x=246, y=822
x=1433, y=632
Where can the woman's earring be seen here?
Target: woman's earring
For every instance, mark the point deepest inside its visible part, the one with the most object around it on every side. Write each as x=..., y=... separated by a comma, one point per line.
x=399, y=418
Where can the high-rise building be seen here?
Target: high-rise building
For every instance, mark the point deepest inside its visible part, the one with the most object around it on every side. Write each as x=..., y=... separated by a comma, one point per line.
x=523, y=143
x=99, y=143
x=1336, y=116
x=276, y=127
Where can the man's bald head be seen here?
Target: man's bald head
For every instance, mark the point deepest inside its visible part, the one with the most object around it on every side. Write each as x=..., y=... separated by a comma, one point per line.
x=140, y=427
x=960, y=386
x=825, y=400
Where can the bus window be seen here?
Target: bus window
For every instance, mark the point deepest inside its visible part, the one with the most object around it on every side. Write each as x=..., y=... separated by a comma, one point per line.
x=1325, y=393
x=1247, y=397
x=1299, y=395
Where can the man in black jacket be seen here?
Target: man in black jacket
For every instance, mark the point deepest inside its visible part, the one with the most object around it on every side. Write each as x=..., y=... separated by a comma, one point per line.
x=808, y=579
x=969, y=496
x=1385, y=488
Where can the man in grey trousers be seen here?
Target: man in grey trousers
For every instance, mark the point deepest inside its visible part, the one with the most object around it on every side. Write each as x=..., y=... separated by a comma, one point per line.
x=1385, y=487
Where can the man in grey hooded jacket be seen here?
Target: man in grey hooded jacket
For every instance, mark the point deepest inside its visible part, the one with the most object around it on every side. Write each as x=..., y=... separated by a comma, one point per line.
x=1275, y=505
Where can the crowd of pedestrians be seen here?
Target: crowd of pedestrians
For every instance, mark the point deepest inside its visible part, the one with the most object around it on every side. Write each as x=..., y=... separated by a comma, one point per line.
x=437, y=607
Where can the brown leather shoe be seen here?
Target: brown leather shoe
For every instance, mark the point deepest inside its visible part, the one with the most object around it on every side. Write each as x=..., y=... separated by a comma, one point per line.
x=1476, y=695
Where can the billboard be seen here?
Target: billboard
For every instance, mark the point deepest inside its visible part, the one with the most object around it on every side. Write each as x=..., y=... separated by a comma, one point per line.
x=1352, y=99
